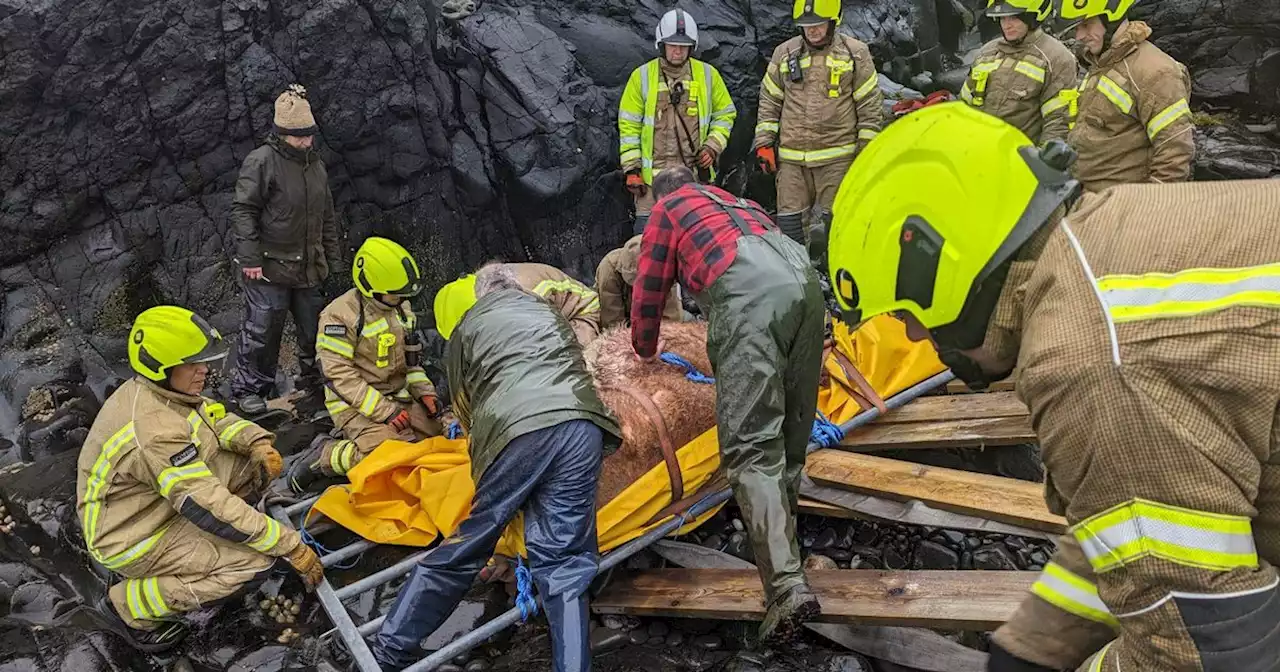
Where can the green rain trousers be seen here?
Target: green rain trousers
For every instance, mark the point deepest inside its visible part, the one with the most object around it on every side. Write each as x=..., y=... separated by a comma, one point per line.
x=764, y=338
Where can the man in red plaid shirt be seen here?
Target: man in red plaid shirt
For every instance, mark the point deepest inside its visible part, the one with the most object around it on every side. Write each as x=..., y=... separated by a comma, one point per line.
x=765, y=317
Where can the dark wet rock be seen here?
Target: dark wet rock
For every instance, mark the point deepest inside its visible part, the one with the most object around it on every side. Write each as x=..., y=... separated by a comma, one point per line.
x=870, y=555
x=893, y=559
x=604, y=640
x=966, y=560
x=826, y=540
x=708, y=642
x=740, y=547
x=714, y=541
x=642, y=560
x=638, y=636
x=848, y=536
x=658, y=629
x=34, y=599
x=1015, y=543
x=450, y=667
x=952, y=538
x=807, y=540
x=972, y=542
x=1227, y=151
x=674, y=639
x=866, y=534
x=849, y=663
x=841, y=556
x=1039, y=557
x=479, y=665
x=932, y=555
x=614, y=622
x=993, y=556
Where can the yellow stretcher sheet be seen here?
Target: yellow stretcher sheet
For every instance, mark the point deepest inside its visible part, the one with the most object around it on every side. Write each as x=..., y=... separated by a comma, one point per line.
x=410, y=493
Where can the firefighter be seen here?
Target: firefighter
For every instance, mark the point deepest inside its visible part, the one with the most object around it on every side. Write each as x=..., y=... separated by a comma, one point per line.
x=163, y=487
x=765, y=318
x=536, y=433
x=577, y=302
x=1147, y=361
x=615, y=276
x=286, y=244
x=675, y=111
x=370, y=353
x=1021, y=76
x=1133, y=122
x=820, y=104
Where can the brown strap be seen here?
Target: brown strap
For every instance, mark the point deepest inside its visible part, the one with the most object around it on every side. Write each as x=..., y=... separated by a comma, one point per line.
x=679, y=506
x=858, y=386
x=664, y=439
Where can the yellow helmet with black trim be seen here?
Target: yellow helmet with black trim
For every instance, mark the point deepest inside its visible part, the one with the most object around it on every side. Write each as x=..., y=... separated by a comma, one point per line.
x=452, y=302
x=1079, y=10
x=383, y=266
x=814, y=12
x=166, y=336
x=1041, y=9
x=932, y=212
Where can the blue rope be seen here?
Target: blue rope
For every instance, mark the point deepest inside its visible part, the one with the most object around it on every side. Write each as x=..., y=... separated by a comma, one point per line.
x=689, y=371
x=321, y=550
x=454, y=431
x=825, y=433
x=524, y=591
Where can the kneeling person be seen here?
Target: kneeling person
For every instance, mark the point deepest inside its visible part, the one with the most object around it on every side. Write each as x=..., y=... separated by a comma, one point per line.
x=162, y=484
x=615, y=276
x=537, y=434
x=375, y=387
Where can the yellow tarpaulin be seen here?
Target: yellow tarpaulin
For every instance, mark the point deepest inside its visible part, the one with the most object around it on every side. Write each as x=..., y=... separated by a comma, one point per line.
x=409, y=493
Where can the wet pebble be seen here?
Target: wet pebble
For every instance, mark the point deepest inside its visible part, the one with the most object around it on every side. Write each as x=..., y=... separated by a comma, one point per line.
x=738, y=525
x=841, y=556
x=893, y=559
x=993, y=557
x=966, y=560
x=676, y=638
x=739, y=547
x=614, y=622
x=658, y=629
x=972, y=543
x=450, y=667
x=479, y=665
x=806, y=540
x=708, y=642
x=638, y=636
x=952, y=538
x=866, y=535
x=849, y=663
x=35, y=550
x=1039, y=557
x=604, y=640
x=714, y=541
x=826, y=539
x=933, y=555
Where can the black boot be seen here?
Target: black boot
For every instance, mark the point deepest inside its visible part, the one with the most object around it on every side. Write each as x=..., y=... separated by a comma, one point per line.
x=792, y=224
x=818, y=241
x=167, y=635
x=787, y=613
x=305, y=475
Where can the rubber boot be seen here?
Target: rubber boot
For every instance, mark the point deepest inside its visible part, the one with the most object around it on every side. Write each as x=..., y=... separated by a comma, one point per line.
x=165, y=636
x=570, y=633
x=792, y=224
x=787, y=613
x=305, y=474
x=641, y=221
x=818, y=241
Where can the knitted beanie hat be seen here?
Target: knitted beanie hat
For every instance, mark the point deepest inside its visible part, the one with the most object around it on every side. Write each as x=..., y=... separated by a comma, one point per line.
x=293, y=112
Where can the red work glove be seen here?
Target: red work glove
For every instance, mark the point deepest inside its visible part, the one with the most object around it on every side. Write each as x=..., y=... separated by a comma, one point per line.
x=768, y=159
x=432, y=403
x=707, y=157
x=399, y=421
x=635, y=183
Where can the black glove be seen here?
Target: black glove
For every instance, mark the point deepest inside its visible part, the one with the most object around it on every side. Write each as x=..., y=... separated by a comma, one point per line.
x=1003, y=661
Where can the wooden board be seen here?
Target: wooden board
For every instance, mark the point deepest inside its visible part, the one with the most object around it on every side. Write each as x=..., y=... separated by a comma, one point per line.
x=1007, y=500
x=948, y=421
x=961, y=600
x=958, y=386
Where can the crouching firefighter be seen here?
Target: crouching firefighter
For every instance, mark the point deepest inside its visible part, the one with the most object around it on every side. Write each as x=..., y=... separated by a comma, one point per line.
x=163, y=485
x=370, y=355
x=765, y=319
x=1148, y=363
x=577, y=302
x=537, y=433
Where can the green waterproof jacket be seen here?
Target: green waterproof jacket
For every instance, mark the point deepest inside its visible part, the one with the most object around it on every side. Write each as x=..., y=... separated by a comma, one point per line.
x=282, y=216
x=514, y=366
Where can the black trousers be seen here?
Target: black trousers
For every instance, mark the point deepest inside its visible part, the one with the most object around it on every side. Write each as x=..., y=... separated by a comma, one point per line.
x=267, y=305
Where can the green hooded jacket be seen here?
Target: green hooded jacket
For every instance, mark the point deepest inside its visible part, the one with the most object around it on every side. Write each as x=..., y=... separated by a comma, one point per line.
x=514, y=367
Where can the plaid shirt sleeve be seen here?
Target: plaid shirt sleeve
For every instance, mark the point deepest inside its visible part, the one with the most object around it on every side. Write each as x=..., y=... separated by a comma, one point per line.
x=655, y=272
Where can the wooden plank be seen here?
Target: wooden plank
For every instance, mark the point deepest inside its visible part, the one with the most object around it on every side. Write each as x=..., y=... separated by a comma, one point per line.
x=941, y=434
x=945, y=408
x=961, y=600
x=1006, y=500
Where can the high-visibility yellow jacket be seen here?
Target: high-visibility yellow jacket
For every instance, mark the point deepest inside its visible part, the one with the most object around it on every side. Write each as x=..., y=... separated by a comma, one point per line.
x=363, y=360
x=1023, y=83
x=831, y=113
x=638, y=110
x=143, y=468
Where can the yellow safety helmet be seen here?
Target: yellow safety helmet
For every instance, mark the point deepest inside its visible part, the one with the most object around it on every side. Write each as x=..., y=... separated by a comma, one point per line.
x=384, y=267
x=1079, y=10
x=927, y=218
x=452, y=302
x=814, y=12
x=1040, y=8
x=166, y=336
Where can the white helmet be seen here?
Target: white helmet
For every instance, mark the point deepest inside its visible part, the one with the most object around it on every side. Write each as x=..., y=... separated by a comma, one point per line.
x=676, y=27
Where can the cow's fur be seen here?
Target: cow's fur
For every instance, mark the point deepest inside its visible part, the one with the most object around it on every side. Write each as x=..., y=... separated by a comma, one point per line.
x=688, y=408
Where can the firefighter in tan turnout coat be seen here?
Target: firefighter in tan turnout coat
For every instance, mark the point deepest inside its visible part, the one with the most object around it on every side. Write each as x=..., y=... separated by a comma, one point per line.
x=1148, y=362
x=820, y=104
x=162, y=484
x=375, y=387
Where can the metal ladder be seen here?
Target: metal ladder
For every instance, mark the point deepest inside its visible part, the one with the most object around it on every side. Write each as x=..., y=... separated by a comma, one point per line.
x=353, y=635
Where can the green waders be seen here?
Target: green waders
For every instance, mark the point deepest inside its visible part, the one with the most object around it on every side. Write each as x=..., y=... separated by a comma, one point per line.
x=764, y=338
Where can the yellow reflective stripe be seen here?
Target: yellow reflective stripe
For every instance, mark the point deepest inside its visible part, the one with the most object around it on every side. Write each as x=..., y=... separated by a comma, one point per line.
x=1142, y=528
x=629, y=155
x=269, y=537
x=593, y=306
x=416, y=377
x=1131, y=298
x=1073, y=594
x=799, y=156
x=133, y=595
x=151, y=588
x=766, y=127
x=1053, y=105
x=1167, y=116
x=193, y=419
x=340, y=455
x=371, y=399
x=1095, y=663
x=1115, y=94
x=1031, y=70
x=867, y=87
x=99, y=475
x=573, y=287
x=965, y=94
x=132, y=553
x=335, y=345
x=230, y=433
x=867, y=134
x=335, y=406
x=175, y=475
x=785, y=67
x=772, y=87
x=375, y=328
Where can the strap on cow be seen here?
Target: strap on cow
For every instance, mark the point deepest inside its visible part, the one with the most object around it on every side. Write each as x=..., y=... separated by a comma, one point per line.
x=856, y=384
x=679, y=506
x=664, y=439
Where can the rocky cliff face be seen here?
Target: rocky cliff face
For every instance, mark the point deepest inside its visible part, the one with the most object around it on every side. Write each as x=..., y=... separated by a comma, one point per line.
x=124, y=122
